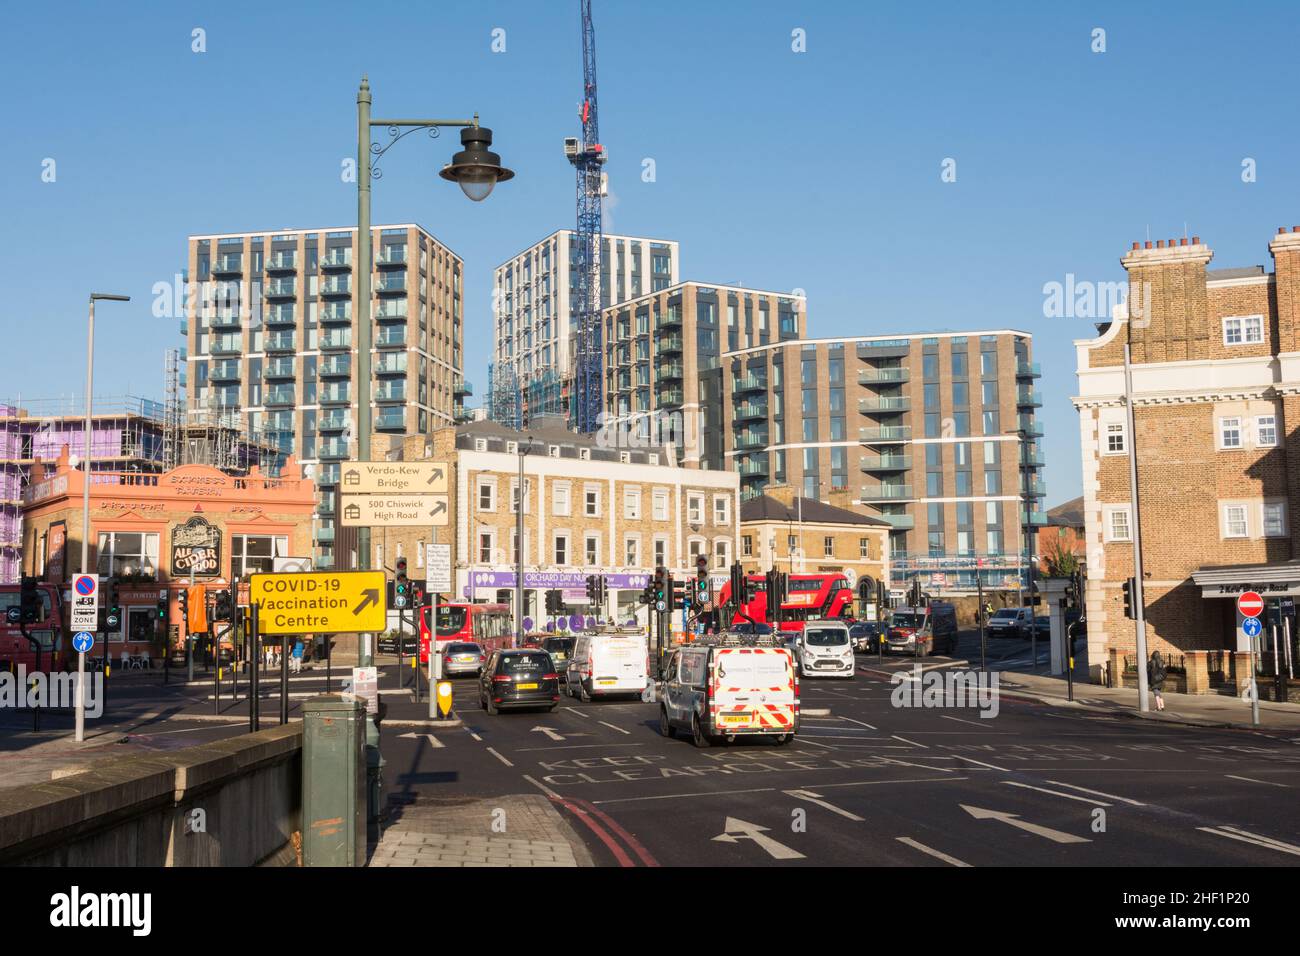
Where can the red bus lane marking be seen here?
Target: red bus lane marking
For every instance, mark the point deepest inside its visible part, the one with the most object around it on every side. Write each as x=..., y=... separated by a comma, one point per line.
x=628, y=838
x=619, y=853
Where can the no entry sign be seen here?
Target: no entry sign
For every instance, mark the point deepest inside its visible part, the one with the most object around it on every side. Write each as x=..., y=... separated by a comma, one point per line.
x=1250, y=604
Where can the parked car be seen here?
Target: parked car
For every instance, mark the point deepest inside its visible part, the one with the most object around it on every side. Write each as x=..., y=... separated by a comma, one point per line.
x=608, y=661
x=866, y=635
x=923, y=630
x=824, y=650
x=462, y=657
x=1009, y=622
x=718, y=689
x=518, y=677
x=561, y=650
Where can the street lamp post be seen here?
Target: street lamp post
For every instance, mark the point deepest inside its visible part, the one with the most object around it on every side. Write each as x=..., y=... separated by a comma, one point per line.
x=520, y=498
x=476, y=169
x=85, y=495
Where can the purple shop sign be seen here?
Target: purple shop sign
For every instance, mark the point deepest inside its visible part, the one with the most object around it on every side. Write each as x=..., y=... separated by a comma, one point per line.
x=555, y=579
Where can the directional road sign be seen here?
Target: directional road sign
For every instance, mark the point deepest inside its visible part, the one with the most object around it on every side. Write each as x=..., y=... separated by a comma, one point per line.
x=394, y=477
x=320, y=602
x=85, y=602
x=1252, y=627
x=83, y=642
x=1250, y=604
x=367, y=511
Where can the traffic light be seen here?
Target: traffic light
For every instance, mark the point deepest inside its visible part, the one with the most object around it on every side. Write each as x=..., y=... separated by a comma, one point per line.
x=739, y=585
x=402, y=586
x=30, y=601
x=554, y=601
x=914, y=593
x=223, y=610
x=113, y=617
x=183, y=603
x=162, y=609
x=1130, y=590
x=593, y=589
x=681, y=595
x=662, y=583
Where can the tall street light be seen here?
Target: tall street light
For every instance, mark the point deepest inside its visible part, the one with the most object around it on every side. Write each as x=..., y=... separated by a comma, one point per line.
x=1027, y=502
x=520, y=500
x=85, y=494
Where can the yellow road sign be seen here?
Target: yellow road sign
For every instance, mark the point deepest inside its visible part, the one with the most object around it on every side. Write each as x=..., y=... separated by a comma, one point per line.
x=369, y=511
x=320, y=602
x=394, y=477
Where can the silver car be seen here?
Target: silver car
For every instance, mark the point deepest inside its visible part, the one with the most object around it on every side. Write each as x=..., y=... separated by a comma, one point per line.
x=463, y=657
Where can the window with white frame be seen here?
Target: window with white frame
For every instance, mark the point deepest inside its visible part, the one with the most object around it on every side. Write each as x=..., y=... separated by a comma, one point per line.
x=126, y=552
x=251, y=553
x=747, y=545
x=1229, y=432
x=592, y=548
x=561, y=548
x=660, y=504
x=592, y=502
x=632, y=504
x=695, y=509
x=514, y=495
x=1115, y=444
x=1235, y=523
x=1118, y=525
x=828, y=546
x=721, y=553
x=721, y=509
x=632, y=552
x=487, y=545
x=487, y=496
x=661, y=551
x=560, y=499
x=1273, y=519
x=695, y=547
x=1266, y=431
x=864, y=548
x=1243, y=330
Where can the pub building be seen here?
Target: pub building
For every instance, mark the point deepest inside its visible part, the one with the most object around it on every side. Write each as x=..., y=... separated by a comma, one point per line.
x=151, y=534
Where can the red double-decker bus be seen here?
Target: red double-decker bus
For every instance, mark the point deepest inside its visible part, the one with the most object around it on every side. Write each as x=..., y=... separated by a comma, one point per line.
x=809, y=597
x=488, y=625
x=49, y=630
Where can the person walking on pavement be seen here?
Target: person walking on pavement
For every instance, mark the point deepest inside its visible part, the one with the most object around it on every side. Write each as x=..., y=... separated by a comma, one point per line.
x=295, y=659
x=1156, y=674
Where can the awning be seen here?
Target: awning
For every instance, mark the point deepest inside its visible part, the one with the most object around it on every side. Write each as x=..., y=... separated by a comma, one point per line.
x=1270, y=580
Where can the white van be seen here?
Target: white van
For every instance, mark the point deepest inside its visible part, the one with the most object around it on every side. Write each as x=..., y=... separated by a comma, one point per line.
x=609, y=661
x=824, y=648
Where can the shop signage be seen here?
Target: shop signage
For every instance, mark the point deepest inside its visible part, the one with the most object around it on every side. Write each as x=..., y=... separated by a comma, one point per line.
x=196, y=548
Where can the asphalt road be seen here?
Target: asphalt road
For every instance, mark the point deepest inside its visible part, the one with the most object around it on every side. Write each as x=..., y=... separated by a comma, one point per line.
x=876, y=784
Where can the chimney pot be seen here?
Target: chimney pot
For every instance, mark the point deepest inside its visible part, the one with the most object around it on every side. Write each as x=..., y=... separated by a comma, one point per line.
x=1182, y=241
x=1137, y=245
x=1148, y=244
x=1281, y=229
x=1196, y=240
x=1295, y=228
x=1160, y=243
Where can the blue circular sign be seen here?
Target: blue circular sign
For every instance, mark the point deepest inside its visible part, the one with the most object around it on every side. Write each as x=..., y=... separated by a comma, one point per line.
x=1252, y=627
x=85, y=585
x=83, y=642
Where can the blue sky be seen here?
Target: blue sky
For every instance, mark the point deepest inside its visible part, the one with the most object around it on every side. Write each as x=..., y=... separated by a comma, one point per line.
x=817, y=170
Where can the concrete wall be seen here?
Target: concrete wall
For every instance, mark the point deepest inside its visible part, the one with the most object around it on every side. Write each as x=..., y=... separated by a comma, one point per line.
x=138, y=810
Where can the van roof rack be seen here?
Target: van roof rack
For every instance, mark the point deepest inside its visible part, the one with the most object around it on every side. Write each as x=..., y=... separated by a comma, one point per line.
x=732, y=639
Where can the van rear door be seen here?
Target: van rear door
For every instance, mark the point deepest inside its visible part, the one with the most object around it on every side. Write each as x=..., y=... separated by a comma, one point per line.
x=618, y=664
x=752, y=690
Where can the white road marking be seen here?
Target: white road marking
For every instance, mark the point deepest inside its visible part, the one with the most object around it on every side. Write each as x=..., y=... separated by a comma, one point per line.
x=541, y=786
x=987, y=766
x=526, y=750
x=733, y=831
x=912, y=742
x=963, y=720
x=930, y=850
x=613, y=726
x=678, y=796
x=877, y=783
x=575, y=712
x=1056, y=793
x=1233, y=833
x=1269, y=783
x=816, y=712
x=805, y=739
x=474, y=735
x=433, y=741
x=499, y=757
x=1098, y=793
x=1012, y=819
x=549, y=731
x=863, y=723
x=813, y=798
x=920, y=766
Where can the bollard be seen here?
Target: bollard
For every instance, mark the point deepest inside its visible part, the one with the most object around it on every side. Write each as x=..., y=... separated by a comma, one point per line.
x=334, y=781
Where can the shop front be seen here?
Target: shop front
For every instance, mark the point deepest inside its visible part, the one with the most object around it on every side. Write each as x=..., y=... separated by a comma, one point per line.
x=1273, y=648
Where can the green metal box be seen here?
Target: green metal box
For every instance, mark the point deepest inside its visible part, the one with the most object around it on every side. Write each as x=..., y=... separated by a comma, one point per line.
x=334, y=781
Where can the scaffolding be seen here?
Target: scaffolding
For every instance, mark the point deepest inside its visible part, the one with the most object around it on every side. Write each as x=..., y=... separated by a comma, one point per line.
x=503, y=395
x=172, y=409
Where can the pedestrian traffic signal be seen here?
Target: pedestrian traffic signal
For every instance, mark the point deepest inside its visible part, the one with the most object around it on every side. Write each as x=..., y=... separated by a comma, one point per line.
x=1130, y=590
x=183, y=603
x=661, y=587
x=113, y=617
x=30, y=601
x=162, y=609
x=402, y=586
x=681, y=595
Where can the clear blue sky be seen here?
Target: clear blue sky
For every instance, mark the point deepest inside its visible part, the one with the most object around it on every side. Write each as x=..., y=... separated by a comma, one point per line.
x=818, y=170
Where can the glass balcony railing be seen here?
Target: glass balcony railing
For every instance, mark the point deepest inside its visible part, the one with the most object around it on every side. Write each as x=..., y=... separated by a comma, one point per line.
x=750, y=440
x=752, y=467
x=278, y=368
x=886, y=492
x=669, y=396
x=868, y=406
x=336, y=339
x=337, y=259
x=1033, y=459
x=668, y=344
x=886, y=433
x=336, y=366
x=225, y=319
x=391, y=310
x=390, y=392
x=279, y=395
x=748, y=411
x=463, y=389
x=748, y=383
x=281, y=315
x=1028, y=370
x=332, y=448
x=898, y=522
x=885, y=462
x=227, y=265
x=333, y=421
x=224, y=372
x=282, y=288
x=336, y=312
x=335, y=392
x=391, y=336
x=280, y=342
x=671, y=372
x=391, y=418
x=226, y=345
x=336, y=285
x=282, y=262
x=391, y=283
x=391, y=256
x=882, y=376
x=1029, y=398
x=390, y=363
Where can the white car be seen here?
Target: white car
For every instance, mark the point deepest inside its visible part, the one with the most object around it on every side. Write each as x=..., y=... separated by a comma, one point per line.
x=824, y=650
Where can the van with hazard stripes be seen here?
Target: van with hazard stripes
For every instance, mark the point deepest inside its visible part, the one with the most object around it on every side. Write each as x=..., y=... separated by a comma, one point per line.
x=726, y=686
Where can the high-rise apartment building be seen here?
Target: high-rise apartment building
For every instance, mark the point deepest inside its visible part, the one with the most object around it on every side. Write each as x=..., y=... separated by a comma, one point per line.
x=270, y=331
x=534, y=321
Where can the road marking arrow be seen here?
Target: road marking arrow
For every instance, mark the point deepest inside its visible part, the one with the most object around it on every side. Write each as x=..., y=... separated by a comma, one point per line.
x=1014, y=820
x=368, y=597
x=736, y=830
x=813, y=798
x=550, y=732
x=433, y=741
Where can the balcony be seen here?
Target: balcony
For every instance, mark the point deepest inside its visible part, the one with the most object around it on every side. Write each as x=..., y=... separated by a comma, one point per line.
x=669, y=396
x=1028, y=370
x=886, y=492
x=898, y=522
x=336, y=339
x=672, y=319
x=394, y=283
x=391, y=336
x=226, y=345
x=1029, y=398
x=463, y=389
x=228, y=265
x=885, y=433
x=282, y=289
x=391, y=256
x=279, y=395
x=334, y=312
x=280, y=342
x=280, y=315
x=225, y=319
x=748, y=383
x=325, y=533
x=668, y=344
x=282, y=262
x=332, y=448
x=335, y=393
x=1033, y=459
x=333, y=421
x=339, y=258
x=391, y=419
x=671, y=372
x=891, y=403
x=752, y=467
x=748, y=411
x=336, y=285
x=1034, y=517
x=885, y=462
x=390, y=391
x=224, y=372
x=895, y=348
x=336, y=366
x=883, y=376
x=391, y=310
x=1029, y=428
x=1033, y=489
x=325, y=504
x=278, y=368
x=185, y=326
x=747, y=441
x=390, y=363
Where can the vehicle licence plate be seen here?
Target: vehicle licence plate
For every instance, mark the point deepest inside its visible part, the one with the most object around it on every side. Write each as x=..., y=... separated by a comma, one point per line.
x=526, y=687
x=608, y=681
x=735, y=718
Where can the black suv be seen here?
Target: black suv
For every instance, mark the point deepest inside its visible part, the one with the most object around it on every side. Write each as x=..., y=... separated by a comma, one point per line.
x=519, y=677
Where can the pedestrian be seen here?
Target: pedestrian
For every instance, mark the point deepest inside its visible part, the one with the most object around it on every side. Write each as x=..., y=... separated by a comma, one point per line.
x=1156, y=674
x=295, y=660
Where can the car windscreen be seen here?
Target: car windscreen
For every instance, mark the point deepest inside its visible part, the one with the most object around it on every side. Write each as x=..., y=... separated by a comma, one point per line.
x=464, y=649
x=558, y=644
x=514, y=663
x=825, y=637
x=907, y=620
x=1006, y=614
x=451, y=620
